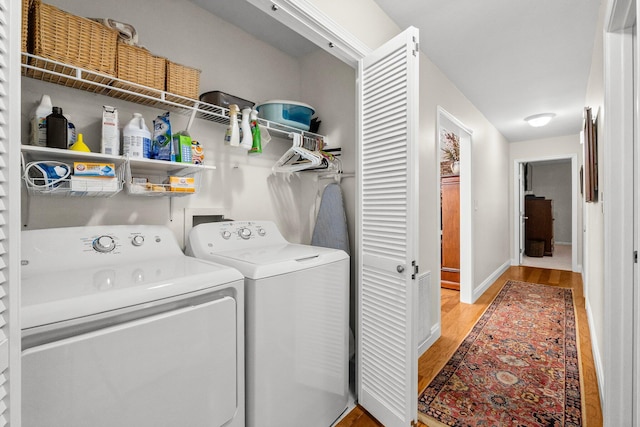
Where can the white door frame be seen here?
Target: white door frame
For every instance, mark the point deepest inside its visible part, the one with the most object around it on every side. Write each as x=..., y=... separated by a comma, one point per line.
x=518, y=190
x=620, y=385
x=466, y=203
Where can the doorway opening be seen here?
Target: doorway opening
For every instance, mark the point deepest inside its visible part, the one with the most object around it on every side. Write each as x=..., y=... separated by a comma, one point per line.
x=456, y=219
x=546, y=212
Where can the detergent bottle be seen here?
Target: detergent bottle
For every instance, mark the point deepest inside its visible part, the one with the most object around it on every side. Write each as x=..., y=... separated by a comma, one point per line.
x=38, y=123
x=136, y=138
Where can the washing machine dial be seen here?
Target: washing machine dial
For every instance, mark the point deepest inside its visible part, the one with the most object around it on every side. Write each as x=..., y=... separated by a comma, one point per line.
x=261, y=232
x=137, y=240
x=226, y=235
x=104, y=244
x=245, y=233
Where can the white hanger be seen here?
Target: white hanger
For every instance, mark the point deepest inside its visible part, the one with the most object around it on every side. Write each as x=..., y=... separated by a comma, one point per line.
x=297, y=158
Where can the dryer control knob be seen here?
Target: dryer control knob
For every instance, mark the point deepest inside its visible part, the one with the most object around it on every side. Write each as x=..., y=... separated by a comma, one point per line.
x=137, y=240
x=226, y=235
x=261, y=231
x=245, y=233
x=104, y=244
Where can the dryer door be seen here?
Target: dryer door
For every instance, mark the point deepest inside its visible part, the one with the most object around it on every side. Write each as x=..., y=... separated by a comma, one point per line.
x=176, y=368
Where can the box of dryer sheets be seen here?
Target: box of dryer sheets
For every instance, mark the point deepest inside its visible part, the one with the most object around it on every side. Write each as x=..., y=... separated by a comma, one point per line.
x=110, y=131
x=94, y=169
x=184, y=184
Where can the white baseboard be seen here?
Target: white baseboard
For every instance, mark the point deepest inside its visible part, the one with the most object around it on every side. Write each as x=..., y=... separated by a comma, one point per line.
x=435, y=334
x=477, y=292
x=595, y=350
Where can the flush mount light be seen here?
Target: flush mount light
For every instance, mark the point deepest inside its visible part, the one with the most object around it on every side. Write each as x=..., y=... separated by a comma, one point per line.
x=538, y=120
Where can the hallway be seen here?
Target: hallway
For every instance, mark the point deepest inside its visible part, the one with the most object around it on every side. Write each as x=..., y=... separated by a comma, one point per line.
x=458, y=319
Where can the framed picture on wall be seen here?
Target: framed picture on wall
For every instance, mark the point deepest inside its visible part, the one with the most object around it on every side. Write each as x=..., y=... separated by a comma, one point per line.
x=590, y=147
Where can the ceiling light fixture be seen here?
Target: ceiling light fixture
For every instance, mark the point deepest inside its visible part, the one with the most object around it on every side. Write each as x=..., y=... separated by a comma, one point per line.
x=538, y=120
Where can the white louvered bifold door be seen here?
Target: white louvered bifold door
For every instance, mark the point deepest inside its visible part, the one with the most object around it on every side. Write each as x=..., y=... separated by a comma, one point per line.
x=10, y=35
x=388, y=232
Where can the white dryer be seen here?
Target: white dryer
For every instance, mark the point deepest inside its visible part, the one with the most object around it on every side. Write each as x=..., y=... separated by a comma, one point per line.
x=120, y=328
x=296, y=312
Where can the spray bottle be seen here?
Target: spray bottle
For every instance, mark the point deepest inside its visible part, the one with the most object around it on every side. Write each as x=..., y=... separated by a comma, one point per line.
x=256, y=147
x=245, y=130
x=232, y=136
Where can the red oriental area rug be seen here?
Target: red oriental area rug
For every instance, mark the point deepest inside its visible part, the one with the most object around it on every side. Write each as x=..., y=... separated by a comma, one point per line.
x=519, y=365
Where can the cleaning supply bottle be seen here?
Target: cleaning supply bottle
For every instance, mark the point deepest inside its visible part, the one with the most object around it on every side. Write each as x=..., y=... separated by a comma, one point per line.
x=256, y=147
x=245, y=128
x=71, y=131
x=80, y=145
x=136, y=138
x=38, y=123
x=57, y=128
x=232, y=136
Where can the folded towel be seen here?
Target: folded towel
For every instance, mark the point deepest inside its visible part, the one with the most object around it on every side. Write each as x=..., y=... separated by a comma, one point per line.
x=126, y=32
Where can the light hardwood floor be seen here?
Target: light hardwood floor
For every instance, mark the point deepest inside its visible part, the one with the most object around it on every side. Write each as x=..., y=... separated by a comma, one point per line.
x=458, y=319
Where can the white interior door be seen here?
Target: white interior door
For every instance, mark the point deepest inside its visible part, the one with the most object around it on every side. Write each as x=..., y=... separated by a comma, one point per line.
x=387, y=225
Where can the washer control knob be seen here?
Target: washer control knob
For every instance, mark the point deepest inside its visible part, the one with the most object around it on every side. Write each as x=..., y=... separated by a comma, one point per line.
x=261, y=232
x=137, y=240
x=245, y=233
x=104, y=244
x=226, y=235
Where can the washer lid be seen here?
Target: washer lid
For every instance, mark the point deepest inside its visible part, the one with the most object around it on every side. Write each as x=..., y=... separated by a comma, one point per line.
x=64, y=295
x=272, y=260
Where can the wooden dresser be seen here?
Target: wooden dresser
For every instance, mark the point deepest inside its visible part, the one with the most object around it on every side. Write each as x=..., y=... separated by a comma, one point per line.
x=539, y=223
x=450, y=268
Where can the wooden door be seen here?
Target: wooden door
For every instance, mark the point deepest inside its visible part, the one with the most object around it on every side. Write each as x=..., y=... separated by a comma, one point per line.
x=450, y=269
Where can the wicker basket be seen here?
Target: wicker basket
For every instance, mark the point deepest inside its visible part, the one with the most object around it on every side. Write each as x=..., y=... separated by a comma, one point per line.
x=138, y=65
x=182, y=80
x=71, y=39
x=25, y=27
x=534, y=248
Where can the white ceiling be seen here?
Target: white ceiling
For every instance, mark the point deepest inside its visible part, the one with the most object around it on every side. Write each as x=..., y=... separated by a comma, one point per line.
x=510, y=58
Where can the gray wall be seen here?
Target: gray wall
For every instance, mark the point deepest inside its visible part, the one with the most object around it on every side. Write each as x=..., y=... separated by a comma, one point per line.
x=553, y=181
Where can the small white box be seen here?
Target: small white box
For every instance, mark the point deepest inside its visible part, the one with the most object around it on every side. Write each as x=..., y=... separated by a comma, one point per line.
x=94, y=184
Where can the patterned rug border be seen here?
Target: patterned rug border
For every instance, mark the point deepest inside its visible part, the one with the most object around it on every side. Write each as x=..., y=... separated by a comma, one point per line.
x=478, y=327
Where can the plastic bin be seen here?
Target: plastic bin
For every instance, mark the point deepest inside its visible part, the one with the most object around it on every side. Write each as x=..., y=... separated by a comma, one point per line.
x=290, y=113
x=224, y=99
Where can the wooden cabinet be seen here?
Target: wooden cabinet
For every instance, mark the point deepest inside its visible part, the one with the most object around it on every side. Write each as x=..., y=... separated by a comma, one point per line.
x=538, y=225
x=450, y=268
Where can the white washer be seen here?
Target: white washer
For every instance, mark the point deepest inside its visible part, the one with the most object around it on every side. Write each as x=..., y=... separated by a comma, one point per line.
x=296, y=317
x=120, y=328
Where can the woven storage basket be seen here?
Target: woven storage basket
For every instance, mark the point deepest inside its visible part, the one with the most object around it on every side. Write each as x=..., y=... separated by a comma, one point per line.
x=73, y=40
x=534, y=248
x=25, y=27
x=183, y=80
x=138, y=65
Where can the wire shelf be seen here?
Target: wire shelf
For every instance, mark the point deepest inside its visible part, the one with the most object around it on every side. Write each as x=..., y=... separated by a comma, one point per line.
x=48, y=70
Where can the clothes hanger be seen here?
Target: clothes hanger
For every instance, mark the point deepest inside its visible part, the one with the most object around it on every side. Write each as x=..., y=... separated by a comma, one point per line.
x=297, y=158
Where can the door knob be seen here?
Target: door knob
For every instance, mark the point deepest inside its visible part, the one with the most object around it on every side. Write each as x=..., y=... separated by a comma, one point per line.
x=400, y=268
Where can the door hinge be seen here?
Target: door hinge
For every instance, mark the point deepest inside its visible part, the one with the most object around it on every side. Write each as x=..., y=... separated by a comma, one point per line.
x=635, y=257
x=416, y=269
